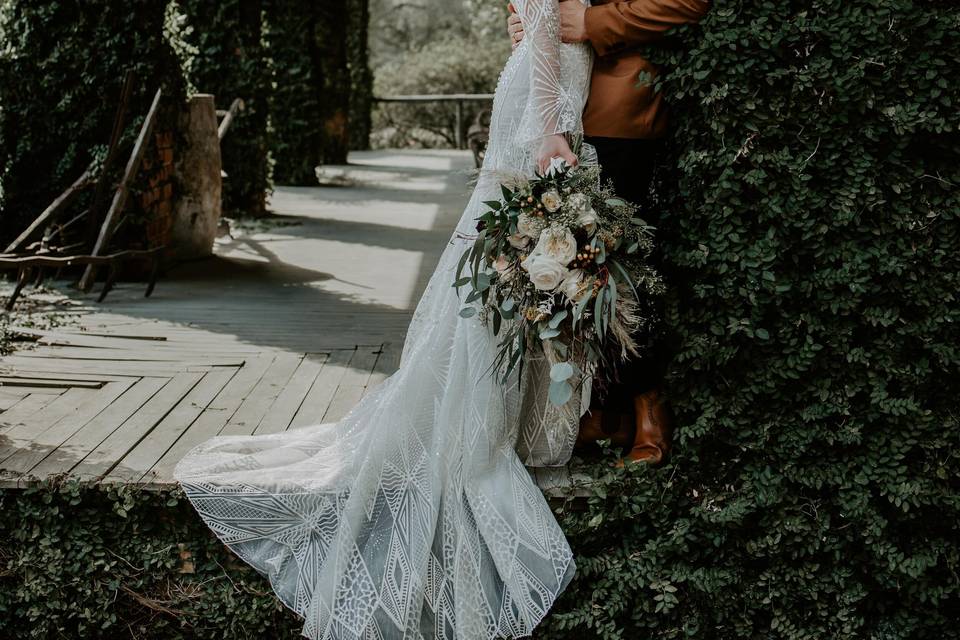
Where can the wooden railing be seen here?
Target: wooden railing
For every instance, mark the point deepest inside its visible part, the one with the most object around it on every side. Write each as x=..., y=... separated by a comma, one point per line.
x=458, y=98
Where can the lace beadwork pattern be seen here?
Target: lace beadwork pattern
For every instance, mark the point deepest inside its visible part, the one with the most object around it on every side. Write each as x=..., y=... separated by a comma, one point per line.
x=413, y=518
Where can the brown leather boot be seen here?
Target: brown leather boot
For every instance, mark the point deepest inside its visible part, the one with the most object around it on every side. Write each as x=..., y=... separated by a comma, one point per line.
x=601, y=424
x=654, y=428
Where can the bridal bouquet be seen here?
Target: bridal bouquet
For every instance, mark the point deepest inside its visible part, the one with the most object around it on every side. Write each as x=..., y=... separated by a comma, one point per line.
x=561, y=264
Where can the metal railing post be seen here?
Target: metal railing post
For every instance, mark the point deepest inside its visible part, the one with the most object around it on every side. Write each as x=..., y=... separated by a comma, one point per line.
x=459, y=135
x=458, y=98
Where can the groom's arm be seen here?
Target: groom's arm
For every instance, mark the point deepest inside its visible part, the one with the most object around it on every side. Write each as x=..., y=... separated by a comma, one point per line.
x=616, y=26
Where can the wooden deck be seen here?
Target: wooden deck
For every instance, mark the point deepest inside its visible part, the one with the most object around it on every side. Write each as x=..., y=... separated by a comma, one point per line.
x=287, y=326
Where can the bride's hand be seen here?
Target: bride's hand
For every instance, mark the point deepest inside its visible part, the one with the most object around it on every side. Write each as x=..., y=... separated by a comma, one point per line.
x=555, y=146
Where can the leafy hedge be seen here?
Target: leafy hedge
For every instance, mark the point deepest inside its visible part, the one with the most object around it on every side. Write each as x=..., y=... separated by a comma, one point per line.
x=811, y=233
x=80, y=562
x=57, y=101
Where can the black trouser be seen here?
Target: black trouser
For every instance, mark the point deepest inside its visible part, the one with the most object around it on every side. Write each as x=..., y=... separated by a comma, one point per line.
x=630, y=164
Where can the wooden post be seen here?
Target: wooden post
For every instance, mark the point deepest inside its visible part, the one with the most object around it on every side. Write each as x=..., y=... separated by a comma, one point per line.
x=123, y=190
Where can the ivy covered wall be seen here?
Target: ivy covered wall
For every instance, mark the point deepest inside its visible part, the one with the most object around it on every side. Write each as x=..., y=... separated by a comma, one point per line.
x=62, y=66
x=810, y=222
x=58, y=100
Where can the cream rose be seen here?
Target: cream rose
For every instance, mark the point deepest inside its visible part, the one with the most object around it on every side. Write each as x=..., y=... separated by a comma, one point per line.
x=518, y=241
x=528, y=225
x=574, y=286
x=588, y=220
x=551, y=201
x=545, y=273
x=501, y=264
x=558, y=244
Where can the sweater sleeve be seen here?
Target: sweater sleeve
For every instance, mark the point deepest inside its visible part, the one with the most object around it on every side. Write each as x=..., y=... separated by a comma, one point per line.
x=617, y=26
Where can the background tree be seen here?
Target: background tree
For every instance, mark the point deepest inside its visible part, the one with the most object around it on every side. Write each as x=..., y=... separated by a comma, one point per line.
x=321, y=79
x=433, y=46
x=227, y=56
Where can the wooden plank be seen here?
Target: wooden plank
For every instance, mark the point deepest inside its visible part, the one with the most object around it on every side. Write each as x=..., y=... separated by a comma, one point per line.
x=109, y=452
x=314, y=406
x=255, y=406
x=27, y=372
x=353, y=384
x=28, y=447
x=8, y=381
x=81, y=443
x=35, y=422
x=281, y=414
x=9, y=398
x=138, y=462
x=135, y=355
x=46, y=391
x=70, y=367
x=388, y=361
x=84, y=339
x=24, y=409
x=214, y=416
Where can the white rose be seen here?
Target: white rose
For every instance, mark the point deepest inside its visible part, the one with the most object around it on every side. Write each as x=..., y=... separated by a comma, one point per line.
x=588, y=221
x=545, y=273
x=550, y=200
x=578, y=203
x=574, y=286
x=528, y=225
x=558, y=244
x=518, y=241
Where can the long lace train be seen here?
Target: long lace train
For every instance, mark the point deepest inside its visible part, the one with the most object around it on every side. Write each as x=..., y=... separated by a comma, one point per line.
x=413, y=517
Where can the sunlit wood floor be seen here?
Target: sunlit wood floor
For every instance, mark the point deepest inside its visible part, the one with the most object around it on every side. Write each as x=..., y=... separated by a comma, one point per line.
x=288, y=325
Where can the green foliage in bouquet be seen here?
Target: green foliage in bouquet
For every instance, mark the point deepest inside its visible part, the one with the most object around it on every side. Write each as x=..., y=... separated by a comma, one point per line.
x=561, y=265
x=811, y=244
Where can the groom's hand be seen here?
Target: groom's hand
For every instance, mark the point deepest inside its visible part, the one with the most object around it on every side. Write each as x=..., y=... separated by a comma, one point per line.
x=573, y=21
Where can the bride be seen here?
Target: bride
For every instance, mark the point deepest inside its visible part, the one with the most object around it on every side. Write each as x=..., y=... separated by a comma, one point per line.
x=413, y=516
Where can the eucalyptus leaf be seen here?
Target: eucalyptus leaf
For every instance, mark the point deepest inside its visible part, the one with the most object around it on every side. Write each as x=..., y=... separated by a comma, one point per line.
x=561, y=371
x=560, y=393
x=558, y=317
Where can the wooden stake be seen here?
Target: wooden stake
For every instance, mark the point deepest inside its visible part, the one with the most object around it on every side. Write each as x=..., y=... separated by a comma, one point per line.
x=100, y=193
x=123, y=190
x=235, y=107
x=50, y=213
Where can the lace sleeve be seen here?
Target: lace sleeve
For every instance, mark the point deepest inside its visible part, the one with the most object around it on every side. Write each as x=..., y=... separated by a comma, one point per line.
x=550, y=108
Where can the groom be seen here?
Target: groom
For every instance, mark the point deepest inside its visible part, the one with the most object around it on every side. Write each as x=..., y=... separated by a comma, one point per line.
x=625, y=121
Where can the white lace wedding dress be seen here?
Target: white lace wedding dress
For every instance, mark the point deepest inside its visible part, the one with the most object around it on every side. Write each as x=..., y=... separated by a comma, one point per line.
x=413, y=517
